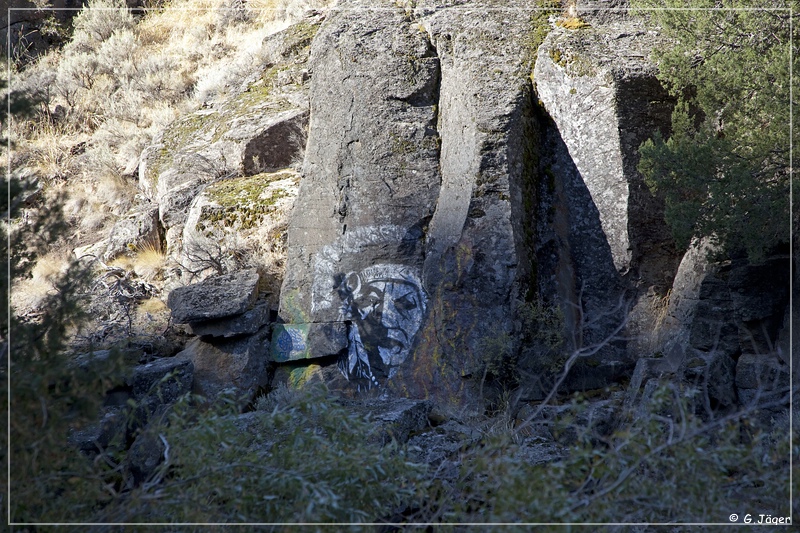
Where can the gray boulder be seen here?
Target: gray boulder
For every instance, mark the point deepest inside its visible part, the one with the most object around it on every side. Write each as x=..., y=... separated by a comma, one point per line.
x=215, y=297
x=245, y=324
x=138, y=229
x=237, y=365
x=167, y=379
x=145, y=455
x=135, y=231
x=241, y=216
x=108, y=432
x=186, y=156
x=762, y=380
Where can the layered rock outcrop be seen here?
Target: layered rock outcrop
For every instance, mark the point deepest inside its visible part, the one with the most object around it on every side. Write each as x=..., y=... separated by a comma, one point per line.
x=404, y=231
x=446, y=183
x=469, y=188
x=259, y=128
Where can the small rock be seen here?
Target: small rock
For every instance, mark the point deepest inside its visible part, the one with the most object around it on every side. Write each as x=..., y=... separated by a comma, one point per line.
x=100, y=435
x=168, y=378
x=140, y=227
x=144, y=456
x=239, y=365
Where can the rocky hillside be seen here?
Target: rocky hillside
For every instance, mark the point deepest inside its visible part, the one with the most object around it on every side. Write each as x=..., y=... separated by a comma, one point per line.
x=436, y=204
x=456, y=204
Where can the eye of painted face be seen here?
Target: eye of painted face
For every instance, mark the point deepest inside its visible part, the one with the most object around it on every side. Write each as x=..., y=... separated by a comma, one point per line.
x=372, y=296
x=407, y=302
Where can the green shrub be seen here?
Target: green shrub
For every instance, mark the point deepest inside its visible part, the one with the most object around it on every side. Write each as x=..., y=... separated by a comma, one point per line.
x=661, y=466
x=49, y=394
x=309, y=459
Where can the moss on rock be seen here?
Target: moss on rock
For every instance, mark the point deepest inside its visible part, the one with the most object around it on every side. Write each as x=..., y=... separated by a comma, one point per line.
x=242, y=203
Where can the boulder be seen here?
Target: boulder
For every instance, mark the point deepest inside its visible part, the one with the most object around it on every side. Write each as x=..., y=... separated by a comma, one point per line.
x=649, y=368
x=244, y=324
x=145, y=455
x=109, y=431
x=237, y=214
x=236, y=365
x=762, y=380
x=136, y=230
x=167, y=379
x=186, y=157
x=215, y=297
x=401, y=418
x=673, y=332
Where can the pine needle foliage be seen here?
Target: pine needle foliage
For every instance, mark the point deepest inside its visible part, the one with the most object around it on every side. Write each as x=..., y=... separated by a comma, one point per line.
x=724, y=168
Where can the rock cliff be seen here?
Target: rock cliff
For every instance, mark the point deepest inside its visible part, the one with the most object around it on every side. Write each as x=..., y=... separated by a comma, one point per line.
x=469, y=212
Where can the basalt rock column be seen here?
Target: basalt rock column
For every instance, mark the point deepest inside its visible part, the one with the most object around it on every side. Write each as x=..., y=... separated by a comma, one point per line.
x=404, y=249
x=353, y=286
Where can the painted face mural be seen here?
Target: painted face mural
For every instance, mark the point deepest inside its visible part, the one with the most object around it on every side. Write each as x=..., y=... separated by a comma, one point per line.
x=385, y=305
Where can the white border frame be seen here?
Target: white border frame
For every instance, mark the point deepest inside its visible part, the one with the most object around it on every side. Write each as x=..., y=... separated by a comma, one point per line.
x=416, y=524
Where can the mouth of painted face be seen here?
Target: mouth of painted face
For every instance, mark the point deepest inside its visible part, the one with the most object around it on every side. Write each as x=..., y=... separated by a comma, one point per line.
x=393, y=352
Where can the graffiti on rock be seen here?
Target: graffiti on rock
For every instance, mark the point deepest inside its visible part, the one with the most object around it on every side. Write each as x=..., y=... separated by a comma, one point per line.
x=289, y=342
x=384, y=303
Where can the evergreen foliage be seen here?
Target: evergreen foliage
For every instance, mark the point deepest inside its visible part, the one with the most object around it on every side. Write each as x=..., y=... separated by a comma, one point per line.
x=724, y=169
x=49, y=394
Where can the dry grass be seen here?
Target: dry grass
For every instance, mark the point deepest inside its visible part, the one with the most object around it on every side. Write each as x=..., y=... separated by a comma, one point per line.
x=47, y=148
x=572, y=23
x=29, y=294
x=152, y=306
x=147, y=261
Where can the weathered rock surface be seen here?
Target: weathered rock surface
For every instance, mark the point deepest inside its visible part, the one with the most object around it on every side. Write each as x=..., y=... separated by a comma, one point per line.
x=152, y=388
x=245, y=324
x=109, y=430
x=603, y=248
x=445, y=185
x=215, y=297
x=145, y=455
x=269, y=136
x=762, y=380
x=411, y=206
x=292, y=342
x=167, y=378
x=260, y=127
x=237, y=365
x=137, y=230
x=241, y=215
